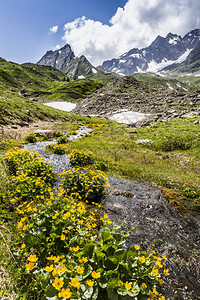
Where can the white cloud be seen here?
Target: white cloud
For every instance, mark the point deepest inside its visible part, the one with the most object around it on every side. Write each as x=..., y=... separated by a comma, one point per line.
x=137, y=24
x=54, y=29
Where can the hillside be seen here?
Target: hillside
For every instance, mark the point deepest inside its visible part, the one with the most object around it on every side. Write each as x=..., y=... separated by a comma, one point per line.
x=152, y=96
x=44, y=82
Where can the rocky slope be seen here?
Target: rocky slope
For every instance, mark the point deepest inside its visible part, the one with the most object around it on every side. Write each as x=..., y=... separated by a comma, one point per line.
x=190, y=65
x=127, y=93
x=65, y=60
x=162, y=52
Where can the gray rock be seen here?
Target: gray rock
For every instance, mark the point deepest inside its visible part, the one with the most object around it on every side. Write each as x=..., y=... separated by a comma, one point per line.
x=48, y=133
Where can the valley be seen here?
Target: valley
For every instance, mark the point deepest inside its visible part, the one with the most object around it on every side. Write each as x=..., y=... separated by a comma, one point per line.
x=145, y=172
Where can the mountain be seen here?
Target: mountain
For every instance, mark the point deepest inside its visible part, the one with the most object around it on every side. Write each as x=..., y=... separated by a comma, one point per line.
x=161, y=53
x=190, y=65
x=65, y=60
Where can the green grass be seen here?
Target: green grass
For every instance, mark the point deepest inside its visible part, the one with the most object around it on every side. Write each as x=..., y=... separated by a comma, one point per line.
x=130, y=160
x=44, y=82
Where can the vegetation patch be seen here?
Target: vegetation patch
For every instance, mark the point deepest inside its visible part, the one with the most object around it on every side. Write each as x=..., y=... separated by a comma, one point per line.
x=63, y=255
x=31, y=177
x=173, y=142
x=87, y=185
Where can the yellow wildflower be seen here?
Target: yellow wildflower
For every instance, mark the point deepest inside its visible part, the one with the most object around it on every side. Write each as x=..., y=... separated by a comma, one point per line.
x=62, y=237
x=30, y=266
x=144, y=286
x=75, y=283
x=96, y=275
x=23, y=246
x=90, y=282
x=142, y=259
x=49, y=268
x=32, y=258
x=136, y=247
x=58, y=283
x=120, y=283
x=166, y=272
x=155, y=272
x=127, y=285
x=80, y=270
x=66, y=294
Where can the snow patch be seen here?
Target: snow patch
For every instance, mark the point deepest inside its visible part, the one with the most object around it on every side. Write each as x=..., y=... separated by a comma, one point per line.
x=183, y=56
x=94, y=71
x=128, y=117
x=122, y=61
x=136, y=55
x=65, y=106
x=169, y=86
x=174, y=40
x=81, y=77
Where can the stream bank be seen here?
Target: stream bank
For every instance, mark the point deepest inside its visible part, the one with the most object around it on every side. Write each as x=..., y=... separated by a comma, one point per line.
x=156, y=222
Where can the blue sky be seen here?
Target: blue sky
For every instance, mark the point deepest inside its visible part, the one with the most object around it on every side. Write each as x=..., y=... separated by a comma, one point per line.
x=25, y=24
x=98, y=29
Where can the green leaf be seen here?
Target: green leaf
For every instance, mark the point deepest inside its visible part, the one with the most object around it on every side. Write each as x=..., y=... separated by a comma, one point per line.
x=110, y=249
x=120, y=254
x=103, y=282
x=112, y=294
x=112, y=274
x=111, y=263
x=51, y=293
x=88, y=250
x=106, y=236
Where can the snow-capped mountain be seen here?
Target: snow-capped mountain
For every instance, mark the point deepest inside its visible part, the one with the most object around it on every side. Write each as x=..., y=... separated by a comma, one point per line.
x=161, y=53
x=65, y=60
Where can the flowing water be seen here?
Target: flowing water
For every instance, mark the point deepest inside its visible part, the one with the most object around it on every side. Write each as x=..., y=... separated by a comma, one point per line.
x=156, y=222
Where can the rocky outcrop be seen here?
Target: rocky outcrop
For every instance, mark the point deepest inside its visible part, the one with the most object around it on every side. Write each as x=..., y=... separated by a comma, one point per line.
x=65, y=60
x=162, y=52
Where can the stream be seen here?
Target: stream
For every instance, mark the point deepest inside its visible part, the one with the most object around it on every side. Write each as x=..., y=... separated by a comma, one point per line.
x=156, y=222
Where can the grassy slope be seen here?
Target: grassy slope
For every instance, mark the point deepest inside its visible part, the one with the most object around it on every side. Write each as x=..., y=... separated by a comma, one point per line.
x=44, y=82
x=177, y=82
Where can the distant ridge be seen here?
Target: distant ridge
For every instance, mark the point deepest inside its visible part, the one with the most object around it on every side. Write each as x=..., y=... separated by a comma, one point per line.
x=161, y=53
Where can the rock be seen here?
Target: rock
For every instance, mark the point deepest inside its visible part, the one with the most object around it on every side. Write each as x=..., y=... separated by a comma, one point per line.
x=143, y=141
x=48, y=133
x=23, y=124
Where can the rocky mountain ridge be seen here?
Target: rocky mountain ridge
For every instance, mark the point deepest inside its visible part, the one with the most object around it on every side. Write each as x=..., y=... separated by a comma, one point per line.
x=162, y=52
x=65, y=60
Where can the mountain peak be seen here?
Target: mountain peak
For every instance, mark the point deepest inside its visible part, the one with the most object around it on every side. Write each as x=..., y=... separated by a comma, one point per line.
x=161, y=53
x=65, y=60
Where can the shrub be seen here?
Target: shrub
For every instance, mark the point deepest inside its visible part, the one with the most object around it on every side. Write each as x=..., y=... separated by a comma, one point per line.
x=31, y=138
x=58, y=133
x=63, y=139
x=32, y=178
x=64, y=256
x=86, y=185
x=55, y=148
x=174, y=142
x=191, y=192
x=81, y=158
x=4, y=144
